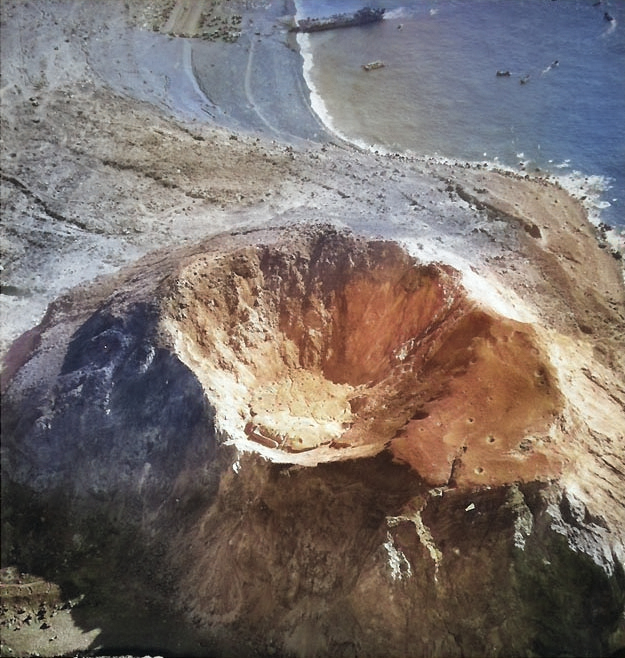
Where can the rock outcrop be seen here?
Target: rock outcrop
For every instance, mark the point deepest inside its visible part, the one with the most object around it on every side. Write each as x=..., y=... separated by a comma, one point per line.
x=301, y=442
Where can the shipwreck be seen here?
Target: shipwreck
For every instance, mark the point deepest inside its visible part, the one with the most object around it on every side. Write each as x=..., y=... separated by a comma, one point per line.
x=361, y=17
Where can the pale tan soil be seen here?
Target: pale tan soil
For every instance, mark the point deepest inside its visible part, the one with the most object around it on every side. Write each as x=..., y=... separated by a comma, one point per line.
x=307, y=326
x=105, y=160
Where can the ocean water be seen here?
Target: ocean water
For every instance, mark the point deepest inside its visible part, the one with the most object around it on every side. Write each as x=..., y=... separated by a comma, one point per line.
x=438, y=93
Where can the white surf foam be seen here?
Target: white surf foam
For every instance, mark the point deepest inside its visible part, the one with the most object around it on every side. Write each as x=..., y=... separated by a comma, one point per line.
x=396, y=14
x=318, y=104
x=587, y=188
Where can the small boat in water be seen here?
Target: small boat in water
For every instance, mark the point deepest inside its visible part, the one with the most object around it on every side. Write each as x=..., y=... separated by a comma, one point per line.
x=373, y=65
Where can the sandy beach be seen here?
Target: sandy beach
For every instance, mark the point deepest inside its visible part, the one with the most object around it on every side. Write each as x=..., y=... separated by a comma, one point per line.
x=115, y=146
x=127, y=130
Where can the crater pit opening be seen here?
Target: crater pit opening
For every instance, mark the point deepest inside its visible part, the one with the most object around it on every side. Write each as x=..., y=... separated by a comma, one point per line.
x=326, y=346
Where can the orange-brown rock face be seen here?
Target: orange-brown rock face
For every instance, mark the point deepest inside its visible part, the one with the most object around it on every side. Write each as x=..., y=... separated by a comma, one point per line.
x=500, y=403
x=355, y=345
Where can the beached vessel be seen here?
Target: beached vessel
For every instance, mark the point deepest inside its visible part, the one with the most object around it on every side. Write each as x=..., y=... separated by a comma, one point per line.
x=360, y=17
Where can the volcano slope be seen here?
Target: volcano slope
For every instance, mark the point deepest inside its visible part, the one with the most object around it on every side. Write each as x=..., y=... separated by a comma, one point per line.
x=298, y=441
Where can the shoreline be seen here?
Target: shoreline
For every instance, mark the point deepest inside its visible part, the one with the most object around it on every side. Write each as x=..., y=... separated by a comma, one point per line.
x=372, y=190
x=251, y=80
x=589, y=188
x=263, y=60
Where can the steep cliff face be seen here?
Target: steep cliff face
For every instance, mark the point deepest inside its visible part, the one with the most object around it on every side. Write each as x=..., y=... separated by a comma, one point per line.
x=301, y=442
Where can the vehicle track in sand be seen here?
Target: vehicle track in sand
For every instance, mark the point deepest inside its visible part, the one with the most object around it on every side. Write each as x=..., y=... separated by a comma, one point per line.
x=185, y=20
x=247, y=85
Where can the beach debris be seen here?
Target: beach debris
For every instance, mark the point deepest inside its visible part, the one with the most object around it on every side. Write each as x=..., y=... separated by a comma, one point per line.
x=371, y=66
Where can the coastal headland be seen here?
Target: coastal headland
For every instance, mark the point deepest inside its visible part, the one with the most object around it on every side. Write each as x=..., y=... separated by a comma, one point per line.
x=267, y=393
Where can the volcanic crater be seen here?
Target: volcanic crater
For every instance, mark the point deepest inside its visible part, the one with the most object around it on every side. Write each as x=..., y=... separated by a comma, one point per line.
x=304, y=430
x=337, y=347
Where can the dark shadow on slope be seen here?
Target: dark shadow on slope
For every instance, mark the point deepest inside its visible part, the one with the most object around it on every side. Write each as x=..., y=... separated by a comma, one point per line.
x=90, y=498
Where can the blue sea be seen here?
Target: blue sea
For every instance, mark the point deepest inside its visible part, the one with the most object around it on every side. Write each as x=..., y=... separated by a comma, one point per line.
x=561, y=109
